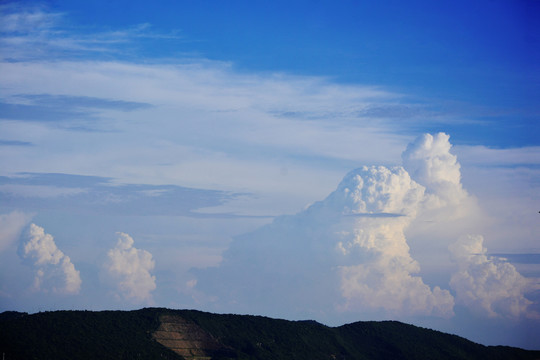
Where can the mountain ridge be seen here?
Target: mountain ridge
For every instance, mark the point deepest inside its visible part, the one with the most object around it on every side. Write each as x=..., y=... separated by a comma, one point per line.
x=160, y=333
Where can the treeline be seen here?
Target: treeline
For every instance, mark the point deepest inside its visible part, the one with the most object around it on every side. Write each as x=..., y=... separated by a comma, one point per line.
x=128, y=335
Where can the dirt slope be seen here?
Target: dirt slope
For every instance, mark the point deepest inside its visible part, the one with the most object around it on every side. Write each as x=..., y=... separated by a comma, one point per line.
x=185, y=338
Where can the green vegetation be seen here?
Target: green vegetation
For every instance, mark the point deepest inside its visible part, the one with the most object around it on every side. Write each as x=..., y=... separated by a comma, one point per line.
x=82, y=335
x=128, y=335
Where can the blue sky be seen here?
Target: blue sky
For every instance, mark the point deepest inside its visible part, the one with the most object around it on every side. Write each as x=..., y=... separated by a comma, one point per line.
x=483, y=53
x=179, y=153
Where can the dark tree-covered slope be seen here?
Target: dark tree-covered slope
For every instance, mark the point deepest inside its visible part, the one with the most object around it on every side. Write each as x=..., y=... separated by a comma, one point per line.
x=141, y=334
x=82, y=335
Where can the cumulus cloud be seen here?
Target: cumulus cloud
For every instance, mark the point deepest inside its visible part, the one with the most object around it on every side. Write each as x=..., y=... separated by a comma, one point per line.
x=388, y=284
x=446, y=210
x=350, y=253
x=381, y=274
x=489, y=286
x=11, y=226
x=347, y=252
x=377, y=189
x=130, y=268
x=54, y=268
x=429, y=162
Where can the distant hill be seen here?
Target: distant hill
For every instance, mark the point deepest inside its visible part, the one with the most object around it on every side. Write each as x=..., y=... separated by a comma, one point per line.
x=156, y=333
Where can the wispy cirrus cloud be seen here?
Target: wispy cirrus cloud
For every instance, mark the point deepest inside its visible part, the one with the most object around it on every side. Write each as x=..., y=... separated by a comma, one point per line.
x=31, y=32
x=81, y=102
x=275, y=123
x=250, y=148
x=22, y=19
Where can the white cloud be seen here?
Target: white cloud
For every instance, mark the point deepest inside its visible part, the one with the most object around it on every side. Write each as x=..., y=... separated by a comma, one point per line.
x=388, y=284
x=130, y=268
x=428, y=161
x=261, y=124
x=352, y=249
x=447, y=209
x=376, y=190
x=348, y=252
x=34, y=31
x=381, y=274
x=54, y=268
x=11, y=226
x=487, y=285
x=22, y=19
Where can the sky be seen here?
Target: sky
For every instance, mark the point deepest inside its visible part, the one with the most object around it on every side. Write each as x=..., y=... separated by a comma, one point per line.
x=336, y=161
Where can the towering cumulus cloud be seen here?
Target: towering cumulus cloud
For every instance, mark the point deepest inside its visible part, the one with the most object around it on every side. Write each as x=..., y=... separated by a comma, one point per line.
x=377, y=205
x=349, y=252
x=487, y=285
x=429, y=162
x=54, y=268
x=130, y=268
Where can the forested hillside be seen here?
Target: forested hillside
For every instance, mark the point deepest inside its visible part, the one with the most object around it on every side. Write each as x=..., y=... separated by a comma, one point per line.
x=156, y=333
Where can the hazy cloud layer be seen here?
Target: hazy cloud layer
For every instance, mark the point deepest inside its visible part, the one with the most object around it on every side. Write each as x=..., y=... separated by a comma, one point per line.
x=62, y=109
x=92, y=194
x=272, y=133
x=11, y=226
x=130, y=269
x=54, y=269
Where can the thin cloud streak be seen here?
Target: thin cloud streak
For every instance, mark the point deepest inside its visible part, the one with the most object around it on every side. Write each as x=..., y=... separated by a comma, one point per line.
x=33, y=32
x=92, y=195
